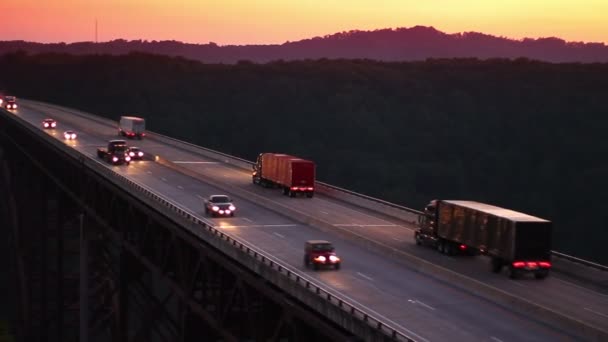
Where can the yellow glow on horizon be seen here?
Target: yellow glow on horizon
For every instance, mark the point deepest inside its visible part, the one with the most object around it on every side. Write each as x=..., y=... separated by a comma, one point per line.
x=276, y=21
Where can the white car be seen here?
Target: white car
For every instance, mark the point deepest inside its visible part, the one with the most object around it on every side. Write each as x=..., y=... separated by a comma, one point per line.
x=69, y=135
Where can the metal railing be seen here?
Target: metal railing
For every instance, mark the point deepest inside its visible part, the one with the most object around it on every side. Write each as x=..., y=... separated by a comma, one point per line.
x=372, y=202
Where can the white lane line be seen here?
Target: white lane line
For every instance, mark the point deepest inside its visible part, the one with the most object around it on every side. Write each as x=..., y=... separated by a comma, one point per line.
x=580, y=287
x=364, y=225
x=279, y=235
x=597, y=313
x=149, y=172
x=364, y=276
x=323, y=212
x=400, y=240
x=495, y=339
x=425, y=305
x=246, y=219
x=163, y=179
x=414, y=301
x=514, y=282
x=180, y=187
x=193, y=162
x=201, y=197
x=279, y=225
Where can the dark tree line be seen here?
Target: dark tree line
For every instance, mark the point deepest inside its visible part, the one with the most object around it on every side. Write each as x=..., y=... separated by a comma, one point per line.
x=522, y=134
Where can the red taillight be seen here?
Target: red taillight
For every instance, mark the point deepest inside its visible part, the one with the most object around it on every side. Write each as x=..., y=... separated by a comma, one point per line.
x=544, y=264
x=532, y=264
x=310, y=188
x=463, y=247
x=294, y=188
x=519, y=264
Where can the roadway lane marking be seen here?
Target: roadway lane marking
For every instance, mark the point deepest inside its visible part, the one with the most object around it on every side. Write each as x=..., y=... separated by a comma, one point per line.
x=193, y=162
x=495, y=339
x=414, y=301
x=279, y=235
x=246, y=219
x=163, y=179
x=400, y=240
x=201, y=197
x=149, y=172
x=597, y=313
x=363, y=225
x=180, y=187
x=515, y=282
x=279, y=225
x=364, y=276
x=322, y=212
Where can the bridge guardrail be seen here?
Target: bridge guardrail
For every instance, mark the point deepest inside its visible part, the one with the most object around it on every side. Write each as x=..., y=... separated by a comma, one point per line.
x=261, y=257
x=368, y=202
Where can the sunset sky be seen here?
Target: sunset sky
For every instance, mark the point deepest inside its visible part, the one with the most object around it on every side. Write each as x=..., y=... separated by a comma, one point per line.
x=277, y=21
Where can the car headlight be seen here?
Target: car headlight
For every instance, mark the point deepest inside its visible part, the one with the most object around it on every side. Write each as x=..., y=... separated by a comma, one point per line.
x=141, y=154
x=53, y=124
x=115, y=159
x=127, y=158
x=320, y=258
x=132, y=154
x=46, y=124
x=333, y=258
x=232, y=208
x=215, y=208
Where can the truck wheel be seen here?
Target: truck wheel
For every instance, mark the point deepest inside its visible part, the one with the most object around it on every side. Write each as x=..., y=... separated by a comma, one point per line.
x=448, y=248
x=315, y=266
x=496, y=265
x=513, y=273
x=305, y=261
x=284, y=191
x=417, y=239
x=292, y=193
x=309, y=195
x=440, y=246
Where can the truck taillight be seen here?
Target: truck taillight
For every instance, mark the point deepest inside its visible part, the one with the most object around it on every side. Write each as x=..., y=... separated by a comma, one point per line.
x=463, y=247
x=310, y=188
x=518, y=264
x=294, y=188
x=544, y=264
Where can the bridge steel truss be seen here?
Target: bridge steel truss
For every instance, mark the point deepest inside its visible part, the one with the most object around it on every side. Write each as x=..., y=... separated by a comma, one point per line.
x=89, y=261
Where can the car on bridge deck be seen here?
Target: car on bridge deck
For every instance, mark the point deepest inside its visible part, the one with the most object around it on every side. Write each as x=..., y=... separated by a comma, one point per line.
x=219, y=205
x=320, y=253
x=135, y=153
x=49, y=123
x=11, y=104
x=69, y=135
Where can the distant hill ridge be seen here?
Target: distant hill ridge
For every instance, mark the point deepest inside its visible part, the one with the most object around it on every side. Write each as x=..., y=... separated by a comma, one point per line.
x=401, y=44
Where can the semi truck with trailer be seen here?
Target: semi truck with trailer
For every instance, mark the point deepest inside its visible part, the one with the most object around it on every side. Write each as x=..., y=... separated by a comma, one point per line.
x=292, y=174
x=116, y=153
x=519, y=241
x=132, y=127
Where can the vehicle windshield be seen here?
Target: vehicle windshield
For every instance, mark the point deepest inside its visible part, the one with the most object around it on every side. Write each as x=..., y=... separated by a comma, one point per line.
x=220, y=199
x=322, y=247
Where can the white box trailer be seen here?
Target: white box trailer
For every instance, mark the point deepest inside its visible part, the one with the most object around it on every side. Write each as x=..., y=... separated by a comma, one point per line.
x=132, y=127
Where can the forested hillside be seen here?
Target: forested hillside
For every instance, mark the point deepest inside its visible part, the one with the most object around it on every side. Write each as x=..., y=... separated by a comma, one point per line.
x=527, y=135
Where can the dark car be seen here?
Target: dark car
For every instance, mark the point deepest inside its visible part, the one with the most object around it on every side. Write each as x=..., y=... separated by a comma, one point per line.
x=219, y=205
x=49, y=123
x=320, y=253
x=135, y=153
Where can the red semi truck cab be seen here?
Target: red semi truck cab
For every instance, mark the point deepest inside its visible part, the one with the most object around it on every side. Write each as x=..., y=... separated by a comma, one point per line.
x=292, y=174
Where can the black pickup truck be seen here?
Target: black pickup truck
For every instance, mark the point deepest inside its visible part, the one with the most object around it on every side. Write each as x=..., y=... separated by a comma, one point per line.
x=116, y=153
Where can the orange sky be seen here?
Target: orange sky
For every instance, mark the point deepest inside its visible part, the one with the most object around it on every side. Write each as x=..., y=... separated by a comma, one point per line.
x=276, y=21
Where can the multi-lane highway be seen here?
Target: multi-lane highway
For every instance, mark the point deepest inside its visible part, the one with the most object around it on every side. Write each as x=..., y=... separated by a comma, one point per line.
x=423, y=306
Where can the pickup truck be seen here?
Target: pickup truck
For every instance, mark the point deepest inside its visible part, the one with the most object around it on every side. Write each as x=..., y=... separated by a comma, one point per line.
x=116, y=153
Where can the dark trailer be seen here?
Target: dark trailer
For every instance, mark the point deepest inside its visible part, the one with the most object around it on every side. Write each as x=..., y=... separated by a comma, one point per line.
x=514, y=239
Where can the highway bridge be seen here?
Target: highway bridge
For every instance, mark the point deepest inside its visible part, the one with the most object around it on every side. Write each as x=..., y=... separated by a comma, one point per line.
x=100, y=252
